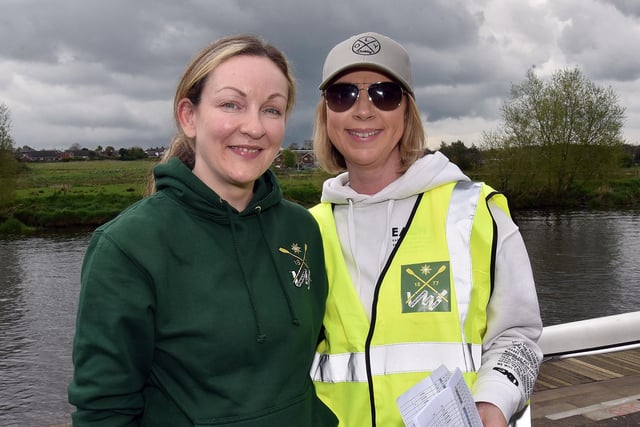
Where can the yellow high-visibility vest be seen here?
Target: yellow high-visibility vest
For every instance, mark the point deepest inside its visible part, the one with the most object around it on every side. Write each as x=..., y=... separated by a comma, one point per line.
x=429, y=306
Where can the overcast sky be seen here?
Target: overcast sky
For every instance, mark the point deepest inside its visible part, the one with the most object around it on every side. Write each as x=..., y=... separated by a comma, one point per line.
x=104, y=72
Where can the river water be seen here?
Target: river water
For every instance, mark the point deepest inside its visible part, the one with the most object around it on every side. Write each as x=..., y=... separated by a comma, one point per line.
x=585, y=264
x=39, y=283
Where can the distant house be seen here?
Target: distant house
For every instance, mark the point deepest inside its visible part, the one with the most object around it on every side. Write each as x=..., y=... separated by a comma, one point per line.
x=155, y=152
x=41, y=155
x=83, y=154
x=305, y=159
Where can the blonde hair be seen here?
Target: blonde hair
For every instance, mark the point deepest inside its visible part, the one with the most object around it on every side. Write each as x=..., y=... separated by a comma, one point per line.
x=195, y=76
x=413, y=142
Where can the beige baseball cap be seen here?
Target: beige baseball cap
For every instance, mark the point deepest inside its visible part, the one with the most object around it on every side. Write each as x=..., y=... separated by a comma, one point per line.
x=372, y=51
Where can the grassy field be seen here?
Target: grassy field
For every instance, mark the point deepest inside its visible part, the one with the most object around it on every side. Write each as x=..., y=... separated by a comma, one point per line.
x=89, y=193
x=73, y=194
x=87, y=177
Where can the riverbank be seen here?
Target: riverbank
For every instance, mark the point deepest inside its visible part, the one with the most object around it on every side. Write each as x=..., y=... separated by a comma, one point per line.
x=86, y=194
x=60, y=195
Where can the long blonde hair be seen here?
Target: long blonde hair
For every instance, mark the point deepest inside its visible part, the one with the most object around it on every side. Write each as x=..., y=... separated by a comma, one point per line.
x=195, y=76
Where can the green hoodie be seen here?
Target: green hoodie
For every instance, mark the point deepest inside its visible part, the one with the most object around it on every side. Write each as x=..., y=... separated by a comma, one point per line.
x=192, y=313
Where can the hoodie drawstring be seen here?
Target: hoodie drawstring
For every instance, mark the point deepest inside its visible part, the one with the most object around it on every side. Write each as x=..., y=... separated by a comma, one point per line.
x=351, y=227
x=353, y=247
x=261, y=337
x=384, y=247
x=292, y=311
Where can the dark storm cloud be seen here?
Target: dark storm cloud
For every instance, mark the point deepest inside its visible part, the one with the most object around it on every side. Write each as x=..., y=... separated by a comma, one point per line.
x=104, y=73
x=628, y=7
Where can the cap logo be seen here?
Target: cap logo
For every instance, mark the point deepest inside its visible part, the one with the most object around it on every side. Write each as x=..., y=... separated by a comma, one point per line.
x=366, y=45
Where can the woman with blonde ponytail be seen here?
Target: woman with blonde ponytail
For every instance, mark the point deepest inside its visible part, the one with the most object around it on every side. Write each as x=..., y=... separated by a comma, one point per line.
x=202, y=303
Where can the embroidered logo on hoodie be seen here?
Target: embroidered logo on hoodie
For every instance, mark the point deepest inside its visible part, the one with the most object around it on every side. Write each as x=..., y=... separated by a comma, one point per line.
x=425, y=287
x=301, y=275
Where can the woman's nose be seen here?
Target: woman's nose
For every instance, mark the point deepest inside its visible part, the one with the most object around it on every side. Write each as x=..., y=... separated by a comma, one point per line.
x=364, y=106
x=253, y=126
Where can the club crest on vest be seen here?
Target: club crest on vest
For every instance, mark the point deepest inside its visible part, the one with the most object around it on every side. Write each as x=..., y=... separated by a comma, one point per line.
x=426, y=287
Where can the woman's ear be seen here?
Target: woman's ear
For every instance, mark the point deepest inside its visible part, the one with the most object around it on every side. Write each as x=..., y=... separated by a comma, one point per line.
x=186, y=113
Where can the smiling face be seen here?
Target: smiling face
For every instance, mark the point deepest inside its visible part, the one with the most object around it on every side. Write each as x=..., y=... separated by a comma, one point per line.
x=368, y=137
x=238, y=126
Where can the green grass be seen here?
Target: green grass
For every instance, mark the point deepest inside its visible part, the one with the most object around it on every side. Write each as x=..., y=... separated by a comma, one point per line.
x=53, y=190
x=102, y=173
x=89, y=193
x=73, y=194
x=304, y=187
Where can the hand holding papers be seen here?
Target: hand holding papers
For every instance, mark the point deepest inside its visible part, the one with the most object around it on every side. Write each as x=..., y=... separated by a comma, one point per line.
x=440, y=400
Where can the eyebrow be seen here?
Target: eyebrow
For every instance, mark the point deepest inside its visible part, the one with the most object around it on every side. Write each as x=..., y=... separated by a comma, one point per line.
x=244, y=94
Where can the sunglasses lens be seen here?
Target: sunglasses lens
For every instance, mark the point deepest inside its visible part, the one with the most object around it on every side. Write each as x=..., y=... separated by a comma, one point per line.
x=386, y=96
x=341, y=96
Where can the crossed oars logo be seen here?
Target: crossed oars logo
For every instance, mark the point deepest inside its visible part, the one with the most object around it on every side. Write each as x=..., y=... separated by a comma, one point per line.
x=302, y=261
x=425, y=283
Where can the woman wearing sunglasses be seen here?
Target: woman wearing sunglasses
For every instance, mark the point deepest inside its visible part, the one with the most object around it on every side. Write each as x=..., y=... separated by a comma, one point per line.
x=426, y=268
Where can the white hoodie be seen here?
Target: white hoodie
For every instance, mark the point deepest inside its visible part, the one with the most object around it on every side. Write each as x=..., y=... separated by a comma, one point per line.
x=369, y=227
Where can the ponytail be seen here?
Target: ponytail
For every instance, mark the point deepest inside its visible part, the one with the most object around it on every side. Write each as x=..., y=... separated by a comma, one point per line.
x=180, y=147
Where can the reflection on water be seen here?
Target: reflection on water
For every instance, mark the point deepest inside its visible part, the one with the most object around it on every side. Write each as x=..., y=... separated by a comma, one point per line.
x=585, y=264
x=39, y=283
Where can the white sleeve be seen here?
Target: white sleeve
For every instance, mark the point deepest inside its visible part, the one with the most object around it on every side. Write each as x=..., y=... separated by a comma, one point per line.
x=511, y=356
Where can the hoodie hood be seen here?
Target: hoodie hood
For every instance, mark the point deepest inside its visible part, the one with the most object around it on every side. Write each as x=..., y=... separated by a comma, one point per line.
x=176, y=180
x=427, y=172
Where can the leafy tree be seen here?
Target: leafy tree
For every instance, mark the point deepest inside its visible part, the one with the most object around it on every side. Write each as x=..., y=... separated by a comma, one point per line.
x=631, y=155
x=8, y=162
x=558, y=133
x=289, y=160
x=132, y=153
x=6, y=142
x=109, y=151
x=467, y=159
x=8, y=172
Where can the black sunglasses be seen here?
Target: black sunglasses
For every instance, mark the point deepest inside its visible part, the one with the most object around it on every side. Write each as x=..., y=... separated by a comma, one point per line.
x=386, y=96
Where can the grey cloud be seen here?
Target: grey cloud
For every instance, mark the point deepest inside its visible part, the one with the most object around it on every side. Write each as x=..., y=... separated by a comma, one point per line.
x=628, y=7
x=599, y=42
x=106, y=71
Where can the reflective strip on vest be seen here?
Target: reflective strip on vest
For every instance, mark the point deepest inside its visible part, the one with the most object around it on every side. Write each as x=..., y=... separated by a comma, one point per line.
x=462, y=209
x=388, y=359
x=421, y=356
